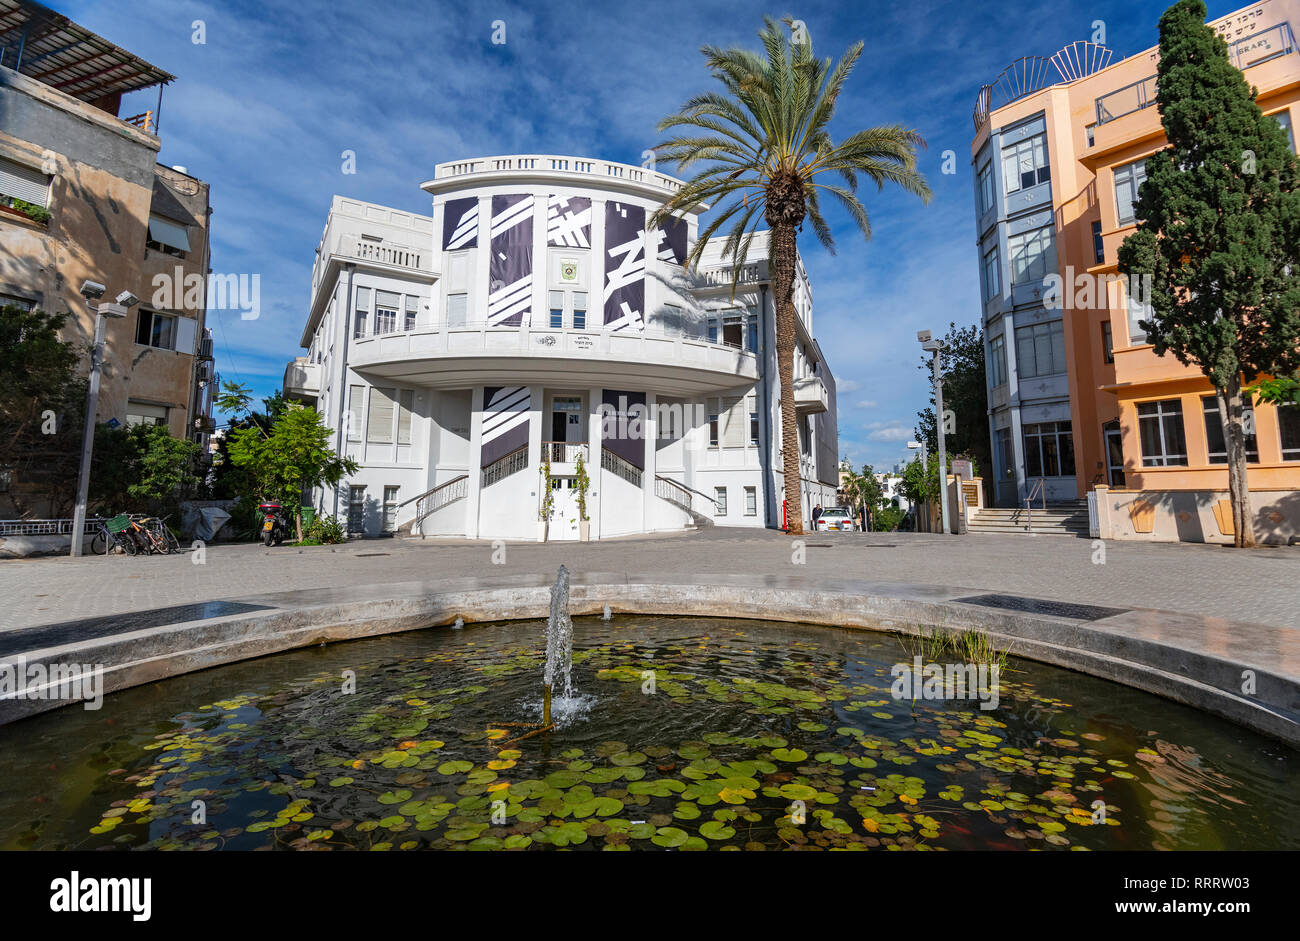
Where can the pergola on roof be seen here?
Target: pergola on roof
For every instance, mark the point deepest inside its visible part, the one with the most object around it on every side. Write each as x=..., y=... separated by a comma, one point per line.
x=50, y=48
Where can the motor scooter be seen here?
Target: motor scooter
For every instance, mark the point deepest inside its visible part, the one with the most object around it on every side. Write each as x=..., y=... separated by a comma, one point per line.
x=275, y=523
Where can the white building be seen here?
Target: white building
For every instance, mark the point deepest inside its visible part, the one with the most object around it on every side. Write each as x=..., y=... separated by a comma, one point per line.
x=533, y=321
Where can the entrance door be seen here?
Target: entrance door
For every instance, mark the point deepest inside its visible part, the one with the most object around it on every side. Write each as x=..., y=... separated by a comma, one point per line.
x=566, y=426
x=564, y=512
x=1114, y=455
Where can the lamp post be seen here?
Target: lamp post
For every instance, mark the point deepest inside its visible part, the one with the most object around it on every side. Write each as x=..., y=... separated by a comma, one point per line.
x=92, y=292
x=933, y=347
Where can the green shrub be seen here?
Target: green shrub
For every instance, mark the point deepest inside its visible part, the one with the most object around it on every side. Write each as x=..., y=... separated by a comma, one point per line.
x=324, y=531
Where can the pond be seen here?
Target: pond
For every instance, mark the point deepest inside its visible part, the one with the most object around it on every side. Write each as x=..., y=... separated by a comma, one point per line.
x=683, y=733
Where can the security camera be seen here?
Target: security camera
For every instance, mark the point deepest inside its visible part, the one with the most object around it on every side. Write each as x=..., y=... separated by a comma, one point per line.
x=92, y=290
x=127, y=299
x=923, y=336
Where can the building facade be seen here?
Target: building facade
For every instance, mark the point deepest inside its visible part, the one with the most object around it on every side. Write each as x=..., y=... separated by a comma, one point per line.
x=1078, y=399
x=533, y=345
x=83, y=198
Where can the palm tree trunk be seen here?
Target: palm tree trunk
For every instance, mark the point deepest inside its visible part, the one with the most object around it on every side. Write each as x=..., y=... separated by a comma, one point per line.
x=1230, y=405
x=783, y=254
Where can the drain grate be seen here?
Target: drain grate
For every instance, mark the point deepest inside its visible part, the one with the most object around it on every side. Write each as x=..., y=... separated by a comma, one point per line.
x=1060, y=609
x=369, y=555
x=65, y=632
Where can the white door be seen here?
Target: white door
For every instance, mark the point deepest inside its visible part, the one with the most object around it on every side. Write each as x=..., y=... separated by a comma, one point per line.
x=564, y=513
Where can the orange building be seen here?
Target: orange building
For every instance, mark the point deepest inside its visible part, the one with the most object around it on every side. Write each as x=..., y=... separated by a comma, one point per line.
x=1079, y=402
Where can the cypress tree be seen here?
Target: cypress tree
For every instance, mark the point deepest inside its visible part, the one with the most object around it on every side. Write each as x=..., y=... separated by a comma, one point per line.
x=1219, y=232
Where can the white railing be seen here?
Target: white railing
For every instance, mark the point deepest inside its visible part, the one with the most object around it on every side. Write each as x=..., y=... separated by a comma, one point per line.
x=435, y=499
x=554, y=163
x=673, y=492
x=564, y=452
x=385, y=253
x=721, y=277
x=51, y=527
x=1037, y=492
x=620, y=467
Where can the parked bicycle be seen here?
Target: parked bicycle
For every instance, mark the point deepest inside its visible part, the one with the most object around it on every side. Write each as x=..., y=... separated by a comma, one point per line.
x=135, y=534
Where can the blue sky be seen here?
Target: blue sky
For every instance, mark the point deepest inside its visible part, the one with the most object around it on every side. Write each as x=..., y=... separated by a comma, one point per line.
x=265, y=107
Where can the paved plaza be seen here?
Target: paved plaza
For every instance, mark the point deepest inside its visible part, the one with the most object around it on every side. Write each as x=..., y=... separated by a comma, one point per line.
x=1261, y=586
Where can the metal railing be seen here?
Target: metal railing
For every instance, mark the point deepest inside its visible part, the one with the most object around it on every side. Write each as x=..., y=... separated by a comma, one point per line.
x=503, y=467
x=49, y=527
x=1113, y=105
x=435, y=499
x=557, y=163
x=564, y=452
x=618, y=466
x=673, y=492
x=144, y=122
x=1268, y=44
x=1037, y=492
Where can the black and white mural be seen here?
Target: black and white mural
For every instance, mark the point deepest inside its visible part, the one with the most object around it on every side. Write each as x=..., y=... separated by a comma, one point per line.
x=568, y=221
x=670, y=241
x=510, y=269
x=624, y=294
x=622, y=426
x=460, y=223
x=505, y=421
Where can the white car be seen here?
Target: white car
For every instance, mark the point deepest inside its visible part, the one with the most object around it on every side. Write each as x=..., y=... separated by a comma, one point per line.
x=836, y=519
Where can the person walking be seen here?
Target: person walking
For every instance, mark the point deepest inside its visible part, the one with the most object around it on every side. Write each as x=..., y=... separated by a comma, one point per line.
x=817, y=514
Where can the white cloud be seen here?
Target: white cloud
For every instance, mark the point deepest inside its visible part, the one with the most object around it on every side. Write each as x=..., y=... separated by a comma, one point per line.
x=891, y=433
x=866, y=403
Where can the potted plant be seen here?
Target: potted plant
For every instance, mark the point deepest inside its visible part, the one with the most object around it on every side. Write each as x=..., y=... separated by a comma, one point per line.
x=19, y=207
x=583, y=481
x=547, y=502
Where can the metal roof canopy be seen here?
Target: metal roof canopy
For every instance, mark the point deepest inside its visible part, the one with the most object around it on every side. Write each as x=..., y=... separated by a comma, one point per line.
x=50, y=48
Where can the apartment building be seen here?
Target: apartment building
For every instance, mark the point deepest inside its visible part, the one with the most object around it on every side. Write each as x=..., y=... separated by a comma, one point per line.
x=83, y=198
x=1078, y=399
x=533, y=321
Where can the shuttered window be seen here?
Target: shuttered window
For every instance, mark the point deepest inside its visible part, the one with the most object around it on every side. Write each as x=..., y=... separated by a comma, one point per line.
x=168, y=234
x=379, y=429
x=25, y=183
x=405, y=400
x=356, y=401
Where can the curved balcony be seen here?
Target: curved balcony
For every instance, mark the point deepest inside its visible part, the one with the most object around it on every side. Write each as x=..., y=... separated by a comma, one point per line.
x=474, y=354
x=555, y=168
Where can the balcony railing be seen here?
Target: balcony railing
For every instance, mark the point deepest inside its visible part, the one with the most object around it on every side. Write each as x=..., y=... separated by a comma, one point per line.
x=555, y=163
x=621, y=468
x=144, y=122
x=384, y=253
x=564, y=452
x=1245, y=53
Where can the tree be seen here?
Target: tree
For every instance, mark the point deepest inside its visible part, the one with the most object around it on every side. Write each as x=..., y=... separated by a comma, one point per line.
x=1218, y=232
x=42, y=401
x=965, y=393
x=142, y=468
x=766, y=141
x=294, y=454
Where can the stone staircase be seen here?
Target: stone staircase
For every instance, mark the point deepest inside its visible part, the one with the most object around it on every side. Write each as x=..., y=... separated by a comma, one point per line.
x=1062, y=519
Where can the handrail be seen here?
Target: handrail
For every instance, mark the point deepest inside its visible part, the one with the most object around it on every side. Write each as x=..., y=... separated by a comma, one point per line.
x=1039, y=490
x=558, y=452
x=673, y=491
x=505, y=466
x=620, y=467
x=432, y=490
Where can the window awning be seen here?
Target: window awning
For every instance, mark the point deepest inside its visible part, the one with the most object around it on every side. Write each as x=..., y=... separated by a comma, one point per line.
x=169, y=233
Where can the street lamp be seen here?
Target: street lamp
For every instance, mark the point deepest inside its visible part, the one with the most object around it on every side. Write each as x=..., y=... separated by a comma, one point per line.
x=914, y=445
x=933, y=347
x=92, y=292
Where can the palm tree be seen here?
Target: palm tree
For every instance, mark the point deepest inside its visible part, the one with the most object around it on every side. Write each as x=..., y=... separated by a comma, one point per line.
x=766, y=141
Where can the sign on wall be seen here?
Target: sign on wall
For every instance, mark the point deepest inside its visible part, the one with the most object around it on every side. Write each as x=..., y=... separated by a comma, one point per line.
x=624, y=294
x=460, y=223
x=568, y=221
x=505, y=421
x=670, y=241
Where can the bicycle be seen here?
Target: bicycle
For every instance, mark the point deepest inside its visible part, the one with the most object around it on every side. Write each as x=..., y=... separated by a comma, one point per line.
x=114, y=533
x=154, y=536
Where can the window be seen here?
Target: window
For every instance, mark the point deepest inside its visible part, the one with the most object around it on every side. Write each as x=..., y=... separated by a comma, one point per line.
x=167, y=237
x=720, y=501
x=753, y=420
x=805, y=438
x=985, y=183
x=579, y=310
x=390, y=509
x=156, y=330
x=751, y=332
x=18, y=181
x=998, y=360
x=1160, y=426
x=1005, y=458
x=1025, y=164
x=411, y=311
x=11, y=300
x=992, y=281
x=751, y=501
x=405, y=404
x=1214, y=433
x=727, y=415
x=1040, y=350
x=1127, y=180
x=1033, y=255
x=142, y=413
x=557, y=309
x=457, y=309
x=1107, y=342
x=1088, y=132
x=1049, y=449
x=713, y=331
x=1284, y=118
x=356, y=401
x=379, y=426
x=1288, y=423
x=713, y=423
x=731, y=328
x=363, y=311
x=386, y=305
x=1137, y=312
x=356, y=509
x=1098, y=245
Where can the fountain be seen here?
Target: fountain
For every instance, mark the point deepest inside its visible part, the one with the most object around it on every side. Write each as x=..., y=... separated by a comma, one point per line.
x=608, y=613
x=559, y=643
